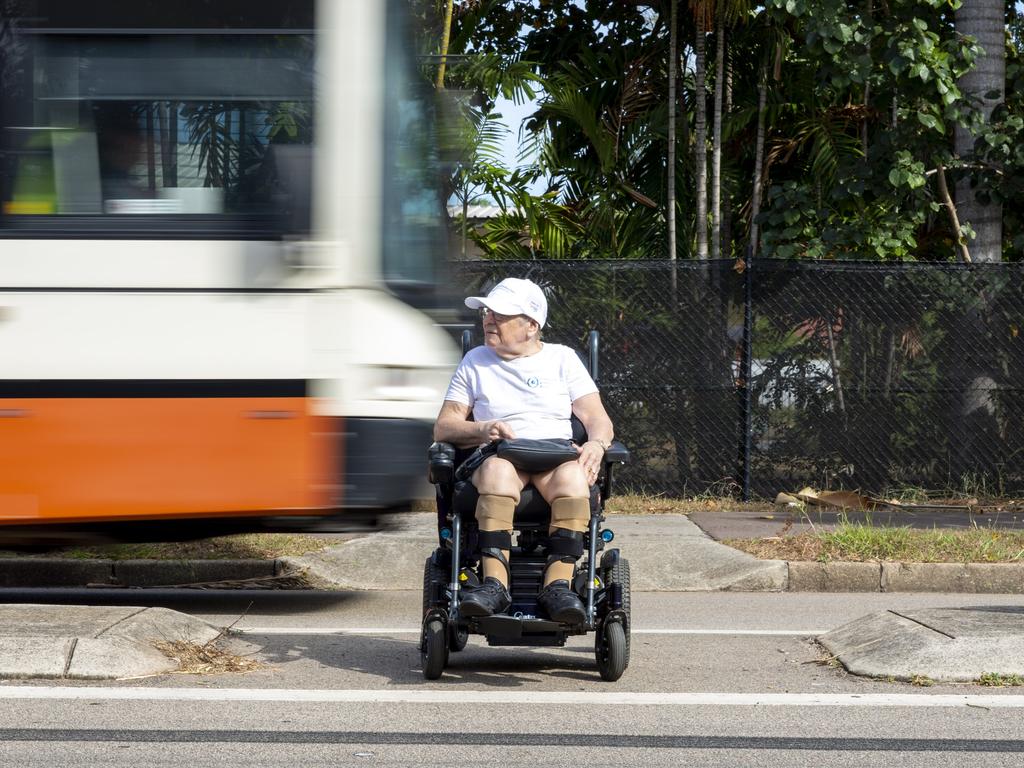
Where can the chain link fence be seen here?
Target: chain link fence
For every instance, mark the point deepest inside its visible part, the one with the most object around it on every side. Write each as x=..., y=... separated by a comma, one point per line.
x=879, y=377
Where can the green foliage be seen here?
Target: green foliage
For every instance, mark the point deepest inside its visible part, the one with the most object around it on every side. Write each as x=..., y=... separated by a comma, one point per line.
x=997, y=680
x=863, y=101
x=842, y=227
x=885, y=82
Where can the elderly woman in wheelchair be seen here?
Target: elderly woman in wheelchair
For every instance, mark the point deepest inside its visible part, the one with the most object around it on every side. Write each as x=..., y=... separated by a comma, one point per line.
x=531, y=413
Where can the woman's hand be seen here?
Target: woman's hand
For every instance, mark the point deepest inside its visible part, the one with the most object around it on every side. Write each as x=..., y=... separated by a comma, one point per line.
x=496, y=430
x=591, y=456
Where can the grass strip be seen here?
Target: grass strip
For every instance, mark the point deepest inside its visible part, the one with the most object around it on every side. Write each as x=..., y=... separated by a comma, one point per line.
x=858, y=542
x=241, y=546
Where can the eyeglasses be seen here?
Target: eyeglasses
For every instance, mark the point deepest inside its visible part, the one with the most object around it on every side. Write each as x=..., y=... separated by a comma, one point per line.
x=498, y=317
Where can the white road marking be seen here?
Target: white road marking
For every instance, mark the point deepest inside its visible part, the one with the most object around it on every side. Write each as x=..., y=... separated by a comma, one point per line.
x=327, y=630
x=416, y=631
x=768, y=632
x=461, y=696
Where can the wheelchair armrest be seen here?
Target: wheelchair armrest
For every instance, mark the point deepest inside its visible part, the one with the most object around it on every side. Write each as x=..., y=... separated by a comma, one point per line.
x=442, y=463
x=617, y=453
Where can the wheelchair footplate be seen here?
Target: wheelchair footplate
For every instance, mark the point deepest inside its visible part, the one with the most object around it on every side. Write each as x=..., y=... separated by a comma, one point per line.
x=521, y=629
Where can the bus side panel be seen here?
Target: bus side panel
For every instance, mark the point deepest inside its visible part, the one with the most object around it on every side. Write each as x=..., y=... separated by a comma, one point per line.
x=77, y=459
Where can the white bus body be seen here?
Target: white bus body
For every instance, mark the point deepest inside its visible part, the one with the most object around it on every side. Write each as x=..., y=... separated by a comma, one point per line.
x=222, y=335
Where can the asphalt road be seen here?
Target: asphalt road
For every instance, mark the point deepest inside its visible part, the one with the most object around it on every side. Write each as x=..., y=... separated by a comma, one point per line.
x=722, y=679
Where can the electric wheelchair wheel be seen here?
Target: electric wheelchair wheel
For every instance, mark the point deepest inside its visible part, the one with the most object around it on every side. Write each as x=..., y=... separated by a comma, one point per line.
x=434, y=649
x=435, y=575
x=432, y=575
x=619, y=574
x=457, y=637
x=611, y=651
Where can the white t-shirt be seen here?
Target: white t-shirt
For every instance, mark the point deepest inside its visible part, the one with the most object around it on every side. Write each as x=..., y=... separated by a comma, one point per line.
x=532, y=394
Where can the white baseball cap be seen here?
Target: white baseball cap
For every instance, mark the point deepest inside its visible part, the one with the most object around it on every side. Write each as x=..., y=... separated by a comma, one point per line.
x=514, y=296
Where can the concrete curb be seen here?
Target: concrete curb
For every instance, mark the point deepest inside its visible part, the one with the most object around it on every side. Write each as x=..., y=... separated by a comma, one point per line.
x=668, y=553
x=21, y=572
x=940, y=644
x=967, y=578
x=92, y=642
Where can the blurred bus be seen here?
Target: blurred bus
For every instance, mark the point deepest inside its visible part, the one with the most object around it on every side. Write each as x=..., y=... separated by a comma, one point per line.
x=219, y=223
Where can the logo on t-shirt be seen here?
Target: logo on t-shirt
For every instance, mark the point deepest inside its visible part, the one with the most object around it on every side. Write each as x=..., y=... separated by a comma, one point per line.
x=533, y=382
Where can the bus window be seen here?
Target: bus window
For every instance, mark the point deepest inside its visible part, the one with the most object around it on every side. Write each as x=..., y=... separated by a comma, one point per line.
x=412, y=212
x=113, y=124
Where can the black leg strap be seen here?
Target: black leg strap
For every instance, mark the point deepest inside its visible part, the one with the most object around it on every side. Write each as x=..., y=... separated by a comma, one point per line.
x=564, y=546
x=492, y=544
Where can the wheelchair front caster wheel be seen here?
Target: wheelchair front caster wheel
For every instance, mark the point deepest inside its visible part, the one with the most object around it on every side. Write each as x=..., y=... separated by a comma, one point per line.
x=610, y=649
x=457, y=638
x=434, y=649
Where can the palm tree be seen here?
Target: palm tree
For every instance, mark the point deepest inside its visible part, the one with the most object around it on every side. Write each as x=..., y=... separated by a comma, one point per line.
x=478, y=138
x=599, y=146
x=716, y=138
x=773, y=47
x=974, y=410
x=703, y=13
x=985, y=81
x=445, y=38
x=673, y=65
x=755, y=198
x=727, y=13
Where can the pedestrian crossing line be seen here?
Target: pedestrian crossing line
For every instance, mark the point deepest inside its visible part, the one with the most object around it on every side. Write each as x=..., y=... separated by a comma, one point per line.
x=512, y=697
x=416, y=631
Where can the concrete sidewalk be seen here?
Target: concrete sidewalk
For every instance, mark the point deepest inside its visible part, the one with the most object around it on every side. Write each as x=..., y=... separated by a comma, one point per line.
x=668, y=553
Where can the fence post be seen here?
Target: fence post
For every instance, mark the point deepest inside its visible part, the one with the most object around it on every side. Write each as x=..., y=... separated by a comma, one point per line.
x=746, y=371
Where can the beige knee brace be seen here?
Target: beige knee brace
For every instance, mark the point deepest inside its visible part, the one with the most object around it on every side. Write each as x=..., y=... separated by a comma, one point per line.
x=495, y=513
x=570, y=513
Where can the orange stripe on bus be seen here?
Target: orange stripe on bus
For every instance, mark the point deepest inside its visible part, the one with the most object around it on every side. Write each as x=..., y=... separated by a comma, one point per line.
x=77, y=459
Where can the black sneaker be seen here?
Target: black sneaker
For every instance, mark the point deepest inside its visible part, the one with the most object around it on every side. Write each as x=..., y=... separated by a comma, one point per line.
x=561, y=603
x=489, y=598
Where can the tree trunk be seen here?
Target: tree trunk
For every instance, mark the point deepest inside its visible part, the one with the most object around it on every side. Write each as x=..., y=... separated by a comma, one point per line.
x=716, y=142
x=755, y=200
x=726, y=194
x=982, y=20
x=977, y=449
x=671, y=194
x=445, y=37
x=940, y=176
x=867, y=92
x=701, y=141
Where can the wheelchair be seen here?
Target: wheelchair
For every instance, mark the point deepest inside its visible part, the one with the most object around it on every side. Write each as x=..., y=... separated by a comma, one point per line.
x=602, y=581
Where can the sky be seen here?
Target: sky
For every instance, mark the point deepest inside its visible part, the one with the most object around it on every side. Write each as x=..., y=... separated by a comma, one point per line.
x=512, y=115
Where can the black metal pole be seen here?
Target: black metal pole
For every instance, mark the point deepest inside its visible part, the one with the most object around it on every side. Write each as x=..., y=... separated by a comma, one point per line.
x=746, y=371
x=593, y=343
